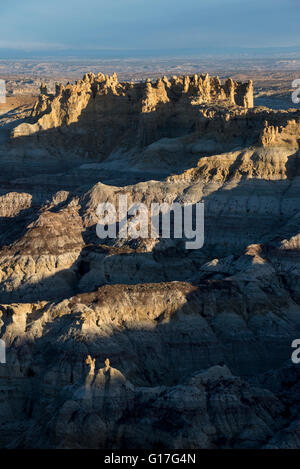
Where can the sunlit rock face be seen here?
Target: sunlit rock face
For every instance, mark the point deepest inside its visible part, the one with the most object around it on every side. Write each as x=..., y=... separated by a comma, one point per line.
x=133, y=343
x=99, y=111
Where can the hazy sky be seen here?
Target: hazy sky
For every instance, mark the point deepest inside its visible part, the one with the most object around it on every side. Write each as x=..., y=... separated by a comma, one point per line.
x=148, y=24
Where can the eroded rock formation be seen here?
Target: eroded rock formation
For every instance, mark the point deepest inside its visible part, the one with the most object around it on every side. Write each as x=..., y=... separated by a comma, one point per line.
x=199, y=341
x=127, y=111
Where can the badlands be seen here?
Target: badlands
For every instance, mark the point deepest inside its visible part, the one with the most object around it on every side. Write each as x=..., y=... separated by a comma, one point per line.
x=142, y=343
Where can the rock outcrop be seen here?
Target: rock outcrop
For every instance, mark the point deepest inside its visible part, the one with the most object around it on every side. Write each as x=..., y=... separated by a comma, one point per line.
x=101, y=109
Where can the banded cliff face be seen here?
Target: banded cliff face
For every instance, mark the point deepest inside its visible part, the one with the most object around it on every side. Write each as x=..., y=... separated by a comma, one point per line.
x=199, y=341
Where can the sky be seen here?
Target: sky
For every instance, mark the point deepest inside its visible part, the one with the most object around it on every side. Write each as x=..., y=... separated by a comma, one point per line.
x=145, y=25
